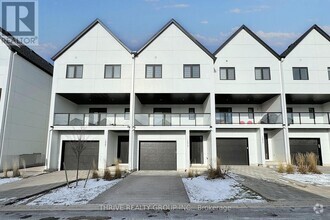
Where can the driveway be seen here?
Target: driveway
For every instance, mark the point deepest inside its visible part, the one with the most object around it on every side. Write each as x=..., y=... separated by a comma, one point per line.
x=142, y=187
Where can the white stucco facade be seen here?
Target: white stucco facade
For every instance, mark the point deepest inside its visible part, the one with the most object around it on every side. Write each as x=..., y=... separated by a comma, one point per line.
x=175, y=108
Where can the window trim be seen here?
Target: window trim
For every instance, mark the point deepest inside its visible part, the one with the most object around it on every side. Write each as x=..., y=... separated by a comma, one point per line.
x=227, y=68
x=299, y=68
x=75, y=71
x=113, y=68
x=191, y=71
x=154, y=71
x=262, y=71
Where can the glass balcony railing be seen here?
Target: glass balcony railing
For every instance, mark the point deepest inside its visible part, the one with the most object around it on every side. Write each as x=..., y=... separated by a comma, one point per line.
x=170, y=119
x=92, y=119
x=308, y=118
x=248, y=118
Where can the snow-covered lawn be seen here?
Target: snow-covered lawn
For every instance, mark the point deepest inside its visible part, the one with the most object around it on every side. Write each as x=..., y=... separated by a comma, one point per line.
x=315, y=179
x=201, y=190
x=9, y=180
x=75, y=195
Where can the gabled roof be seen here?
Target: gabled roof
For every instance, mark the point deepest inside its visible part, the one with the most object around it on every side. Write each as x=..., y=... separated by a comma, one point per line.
x=172, y=21
x=243, y=27
x=81, y=34
x=25, y=52
x=292, y=46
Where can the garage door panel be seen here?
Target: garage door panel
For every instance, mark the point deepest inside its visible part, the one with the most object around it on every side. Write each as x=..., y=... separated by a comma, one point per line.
x=158, y=156
x=233, y=151
x=305, y=145
x=90, y=154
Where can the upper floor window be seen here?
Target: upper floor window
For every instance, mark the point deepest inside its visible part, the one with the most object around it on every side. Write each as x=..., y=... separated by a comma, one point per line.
x=153, y=71
x=300, y=73
x=74, y=71
x=262, y=73
x=329, y=73
x=112, y=71
x=191, y=71
x=227, y=73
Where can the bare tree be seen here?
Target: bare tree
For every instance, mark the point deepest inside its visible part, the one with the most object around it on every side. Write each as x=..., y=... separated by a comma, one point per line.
x=78, y=147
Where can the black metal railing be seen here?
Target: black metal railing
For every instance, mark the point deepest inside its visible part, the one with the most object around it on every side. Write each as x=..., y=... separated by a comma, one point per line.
x=91, y=119
x=172, y=119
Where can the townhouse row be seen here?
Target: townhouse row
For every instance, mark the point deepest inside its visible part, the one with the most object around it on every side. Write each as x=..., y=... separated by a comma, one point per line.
x=173, y=105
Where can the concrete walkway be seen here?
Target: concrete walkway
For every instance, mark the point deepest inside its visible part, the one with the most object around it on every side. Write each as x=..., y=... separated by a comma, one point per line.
x=33, y=185
x=146, y=187
x=273, y=186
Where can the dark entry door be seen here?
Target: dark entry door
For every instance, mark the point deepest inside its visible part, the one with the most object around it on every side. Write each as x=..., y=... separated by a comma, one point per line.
x=305, y=145
x=122, y=151
x=233, y=151
x=89, y=155
x=158, y=155
x=196, y=150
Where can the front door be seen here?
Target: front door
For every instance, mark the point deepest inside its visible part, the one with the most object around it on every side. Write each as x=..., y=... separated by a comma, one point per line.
x=122, y=151
x=196, y=150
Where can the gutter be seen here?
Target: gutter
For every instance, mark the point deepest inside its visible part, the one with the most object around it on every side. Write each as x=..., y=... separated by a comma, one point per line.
x=6, y=100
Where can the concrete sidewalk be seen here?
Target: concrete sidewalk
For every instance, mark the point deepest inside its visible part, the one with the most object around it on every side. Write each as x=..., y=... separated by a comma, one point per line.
x=33, y=185
x=146, y=187
x=273, y=186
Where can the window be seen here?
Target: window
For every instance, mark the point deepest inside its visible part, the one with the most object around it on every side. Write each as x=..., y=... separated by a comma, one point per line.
x=112, y=71
x=311, y=113
x=300, y=73
x=192, y=115
x=126, y=114
x=74, y=71
x=250, y=113
x=266, y=144
x=191, y=71
x=227, y=73
x=262, y=73
x=153, y=71
x=329, y=73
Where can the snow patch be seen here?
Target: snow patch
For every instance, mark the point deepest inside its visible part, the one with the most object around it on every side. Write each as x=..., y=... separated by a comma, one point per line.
x=75, y=195
x=314, y=179
x=202, y=190
x=9, y=180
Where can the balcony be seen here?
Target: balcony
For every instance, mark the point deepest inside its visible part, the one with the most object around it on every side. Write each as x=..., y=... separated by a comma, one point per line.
x=248, y=118
x=308, y=117
x=171, y=119
x=91, y=119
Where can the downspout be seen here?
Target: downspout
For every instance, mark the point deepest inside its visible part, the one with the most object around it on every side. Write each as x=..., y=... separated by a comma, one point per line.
x=284, y=114
x=132, y=113
x=6, y=100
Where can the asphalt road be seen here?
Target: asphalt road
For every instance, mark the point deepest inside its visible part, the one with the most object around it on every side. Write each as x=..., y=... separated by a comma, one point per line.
x=237, y=213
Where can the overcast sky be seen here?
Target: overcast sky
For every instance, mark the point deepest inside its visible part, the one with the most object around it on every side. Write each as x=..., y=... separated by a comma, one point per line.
x=278, y=22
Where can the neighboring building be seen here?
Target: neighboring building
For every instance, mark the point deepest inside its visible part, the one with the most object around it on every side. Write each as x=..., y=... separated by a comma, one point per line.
x=25, y=85
x=173, y=105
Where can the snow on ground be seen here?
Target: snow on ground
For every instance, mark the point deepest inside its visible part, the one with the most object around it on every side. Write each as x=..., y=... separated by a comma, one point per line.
x=75, y=195
x=9, y=180
x=315, y=179
x=201, y=190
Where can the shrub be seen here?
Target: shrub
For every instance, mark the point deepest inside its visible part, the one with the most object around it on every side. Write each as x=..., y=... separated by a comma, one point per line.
x=280, y=168
x=5, y=170
x=107, y=174
x=301, y=163
x=16, y=172
x=216, y=173
x=117, y=170
x=290, y=169
x=95, y=174
x=311, y=162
